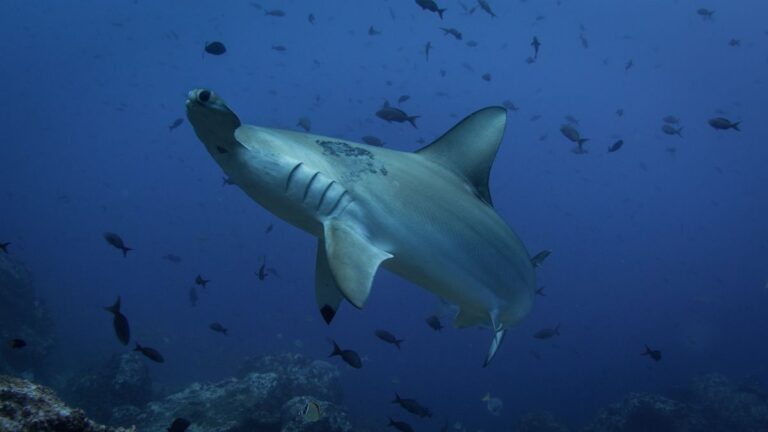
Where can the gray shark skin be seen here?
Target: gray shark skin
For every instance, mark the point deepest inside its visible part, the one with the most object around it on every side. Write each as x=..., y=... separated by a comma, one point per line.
x=425, y=216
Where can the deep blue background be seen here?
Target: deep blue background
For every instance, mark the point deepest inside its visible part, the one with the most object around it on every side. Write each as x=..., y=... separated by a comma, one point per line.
x=669, y=249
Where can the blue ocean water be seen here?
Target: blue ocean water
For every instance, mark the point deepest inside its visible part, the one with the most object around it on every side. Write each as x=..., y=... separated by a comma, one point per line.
x=664, y=242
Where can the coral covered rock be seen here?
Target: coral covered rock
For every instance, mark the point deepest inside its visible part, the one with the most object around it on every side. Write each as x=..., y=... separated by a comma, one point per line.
x=332, y=417
x=25, y=406
x=640, y=412
x=298, y=375
x=539, y=422
x=730, y=406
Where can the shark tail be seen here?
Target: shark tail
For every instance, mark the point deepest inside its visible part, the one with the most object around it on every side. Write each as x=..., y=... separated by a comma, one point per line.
x=412, y=120
x=115, y=308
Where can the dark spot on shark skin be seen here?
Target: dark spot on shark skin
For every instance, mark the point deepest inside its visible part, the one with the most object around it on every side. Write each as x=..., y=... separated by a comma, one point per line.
x=362, y=160
x=222, y=150
x=339, y=149
x=383, y=171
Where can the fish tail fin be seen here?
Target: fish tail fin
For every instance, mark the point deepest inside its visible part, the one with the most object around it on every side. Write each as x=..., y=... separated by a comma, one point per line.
x=336, y=349
x=138, y=347
x=440, y=12
x=736, y=126
x=125, y=250
x=115, y=308
x=582, y=141
x=398, y=342
x=680, y=132
x=412, y=121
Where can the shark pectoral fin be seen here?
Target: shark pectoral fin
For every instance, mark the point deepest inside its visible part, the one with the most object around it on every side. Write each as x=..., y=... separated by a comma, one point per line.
x=498, y=336
x=470, y=147
x=353, y=260
x=327, y=292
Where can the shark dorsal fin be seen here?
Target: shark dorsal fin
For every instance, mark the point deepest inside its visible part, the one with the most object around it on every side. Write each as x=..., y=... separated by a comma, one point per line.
x=470, y=147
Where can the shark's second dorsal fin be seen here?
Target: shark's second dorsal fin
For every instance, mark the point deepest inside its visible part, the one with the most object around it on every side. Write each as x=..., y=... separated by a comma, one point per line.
x=470, y=147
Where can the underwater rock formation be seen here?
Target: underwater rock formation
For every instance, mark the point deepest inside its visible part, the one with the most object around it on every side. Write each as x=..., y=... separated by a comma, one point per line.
x=25, y=406
x=647, y=412
x=22, y=316
x=266, y=397
x=539, y=422
x=729, y=406
x=123, y=382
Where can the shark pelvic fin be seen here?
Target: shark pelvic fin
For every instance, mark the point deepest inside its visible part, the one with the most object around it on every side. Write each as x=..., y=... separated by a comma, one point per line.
x=353, y=261
x=327, y=292
x=470, y=147
x=498, y=336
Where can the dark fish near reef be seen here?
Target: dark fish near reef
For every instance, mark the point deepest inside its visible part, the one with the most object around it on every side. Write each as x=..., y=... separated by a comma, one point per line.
x=179, y=425
x=4, y=246
x=671, y=130
x=453, y=32
x=573, y=135
x=372, y=140
x=275, y=13
x=349, y=356
x=535, y=44
x=388, y=338
x=486, y=77
x=620, y=112
x=218, y=328
x=16, y=343
x=176, y=123
x=400, y=425
x=431, y=6
x=547, y=333
x=486, y=7
x=654, y=354
x=391, y=114
x=412, y=406
x=721, y=123
x=202, y=282
x=311, y=412
x=427, y=47
x=117, y=242
x=539, y=258
x=150, y=353
x=705, y=13
x=215, y=48
x=280, y=48
x=434, y=322
x=304, y=123
x=615, y=146
x=120, y=322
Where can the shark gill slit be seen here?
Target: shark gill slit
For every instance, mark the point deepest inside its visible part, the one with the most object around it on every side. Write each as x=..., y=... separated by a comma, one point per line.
x=338, y=200
x=325, y=192
x=290, y=175
x=309, y=186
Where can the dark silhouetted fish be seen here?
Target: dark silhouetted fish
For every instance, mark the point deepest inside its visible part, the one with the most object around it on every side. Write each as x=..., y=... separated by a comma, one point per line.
x=547, y=333
x=486, y=77
x=4, y=246
x=427, y=47
x=372, y=140
x=391, y=114
x=573, y=135
x=508, y=104
x=280, y=48
x=150, y=353
x=305, y=123
x=539, y=258
x=373, y=32
x=486, y=7
x=620, y=112
x=734, y=42
x=202, y=282
x=179, y=425
x=388, y=337
x=400, y=425
x=434, y=322
x=215, y=48
x=262, y=273
x=431, y=6
x=453, y=32
x=535, y=44
x=311, y=18
x=275, y=13
x=628, y=65
x=349, y=356
x=403, y=98
x=671, y=130
x=471, y=44
x=722, y=123
x=117, y=242
x=584, y=41
x=412, y=406
x=119, y=322
x=269, y=229
x=217, y=327
x=615, y=146
x=654, y=354
x=705, y=14
x=176, y=123
x=17, y=343
x=540, y=291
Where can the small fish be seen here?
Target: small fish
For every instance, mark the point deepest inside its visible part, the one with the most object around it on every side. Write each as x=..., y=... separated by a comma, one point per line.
x=150, y=353
x=16, y=343
x=311, y=412
x=486, y=7
x=4, y=246
x=262, y=273
x=535, y=44
x=275, y=13
x=403, y=98
x=400, y=425
x=486, y=77
x=391, y=114
x=215, y=48
x=535, y=117
x=615, y=146
x=305, y=123
x=117, y=242
x=493, y=404
x=431, y=6
x=722, y=123
x=540, y=291
x=671, y=119
x=350, y=357
x=193, y=296
x=279, y=48
x=628, y=65
x=584, y=41
x=671, y=130
x=734, y=42
x=547, y=333
x=176, y=123
x=269, y=229
x=539, y=258
x=412, y=406
x=434, y=322
x=508, y=104
x=179, y=425
x=372, y=140
x=654, y=354
x=218, y=328
x=453, y=32
x=388, y=338
x=705, y=14
x=172, y=258
x=311, y=19
x=471, y=44
x=427, y=47
x=620, y=112
x=573, y=135
x=119, y=322
x=202, y=282
x=373, y=32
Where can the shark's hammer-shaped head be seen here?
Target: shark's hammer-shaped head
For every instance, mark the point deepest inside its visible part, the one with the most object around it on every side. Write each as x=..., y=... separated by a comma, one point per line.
x=213, y=121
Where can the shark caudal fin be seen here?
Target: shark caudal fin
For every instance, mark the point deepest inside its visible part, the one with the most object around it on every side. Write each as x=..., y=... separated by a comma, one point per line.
x=470, y=147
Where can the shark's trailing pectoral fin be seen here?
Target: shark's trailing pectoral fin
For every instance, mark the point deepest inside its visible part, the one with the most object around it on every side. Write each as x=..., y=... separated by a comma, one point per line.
x=327, y=292
x=353, y=260
x=498, y=336
x=470, y=147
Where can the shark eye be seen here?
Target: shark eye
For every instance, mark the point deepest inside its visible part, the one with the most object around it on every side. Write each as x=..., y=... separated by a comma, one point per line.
x=204, y=96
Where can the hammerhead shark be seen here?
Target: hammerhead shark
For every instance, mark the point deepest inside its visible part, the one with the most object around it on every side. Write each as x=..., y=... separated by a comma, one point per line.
x=426, y=216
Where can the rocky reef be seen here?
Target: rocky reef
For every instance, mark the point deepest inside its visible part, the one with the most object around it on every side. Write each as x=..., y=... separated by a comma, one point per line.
x=539, y=422
x=23, y=316
x=25, y=407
